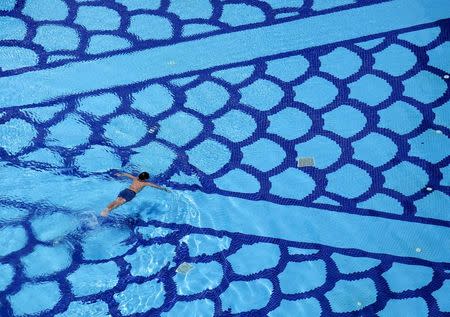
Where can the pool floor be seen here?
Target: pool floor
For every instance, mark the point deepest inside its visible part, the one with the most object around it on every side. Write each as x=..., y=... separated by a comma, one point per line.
x=306, y=145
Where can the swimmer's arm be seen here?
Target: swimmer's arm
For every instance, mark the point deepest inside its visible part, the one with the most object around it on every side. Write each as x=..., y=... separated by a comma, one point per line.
x=156, y=186
x=127, y=175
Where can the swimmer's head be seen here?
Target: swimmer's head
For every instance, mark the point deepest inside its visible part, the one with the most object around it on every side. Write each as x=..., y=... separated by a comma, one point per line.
x=143, y=176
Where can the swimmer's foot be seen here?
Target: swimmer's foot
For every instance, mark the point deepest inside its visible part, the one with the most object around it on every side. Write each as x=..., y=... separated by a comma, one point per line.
x=105, y=212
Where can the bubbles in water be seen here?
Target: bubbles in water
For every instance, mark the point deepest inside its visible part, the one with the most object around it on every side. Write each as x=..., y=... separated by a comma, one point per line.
x=176, y=207
x=88, y=221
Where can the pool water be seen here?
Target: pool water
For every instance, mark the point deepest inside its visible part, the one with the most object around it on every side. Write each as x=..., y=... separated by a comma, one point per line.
x=306, y=145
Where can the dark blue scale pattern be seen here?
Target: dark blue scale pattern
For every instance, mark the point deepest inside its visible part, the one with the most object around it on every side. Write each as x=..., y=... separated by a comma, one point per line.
x=80, y=53
x=181, y=163
x=167, y=273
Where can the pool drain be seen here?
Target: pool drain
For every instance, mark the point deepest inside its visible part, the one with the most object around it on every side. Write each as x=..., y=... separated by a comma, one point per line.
x=305, y=161
x=184, y=268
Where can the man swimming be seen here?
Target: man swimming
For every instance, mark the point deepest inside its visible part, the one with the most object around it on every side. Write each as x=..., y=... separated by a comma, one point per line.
x=129, y=193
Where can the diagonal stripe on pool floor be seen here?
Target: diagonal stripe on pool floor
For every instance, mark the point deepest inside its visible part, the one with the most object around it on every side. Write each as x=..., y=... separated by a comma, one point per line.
x=309, y=225
x=82, y=77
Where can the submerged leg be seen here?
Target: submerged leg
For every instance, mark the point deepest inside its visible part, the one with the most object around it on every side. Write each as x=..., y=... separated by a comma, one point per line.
x=116, y=203
x=112, y=204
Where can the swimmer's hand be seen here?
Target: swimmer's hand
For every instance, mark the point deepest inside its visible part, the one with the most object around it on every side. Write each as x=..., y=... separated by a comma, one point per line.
x=126, y=175
x=156, y=186
x=163, y=189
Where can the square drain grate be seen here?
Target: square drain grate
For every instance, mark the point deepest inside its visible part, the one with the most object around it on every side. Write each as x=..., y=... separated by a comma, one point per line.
x=184, y=268
x=305, y=161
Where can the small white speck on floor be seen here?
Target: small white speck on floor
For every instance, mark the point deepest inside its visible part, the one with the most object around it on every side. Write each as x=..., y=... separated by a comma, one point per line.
x=446, y=76
x=153, y=129
x=171, y=62
x=418, y=250
x=359, y=303
x=429, y=189
x=439, y=132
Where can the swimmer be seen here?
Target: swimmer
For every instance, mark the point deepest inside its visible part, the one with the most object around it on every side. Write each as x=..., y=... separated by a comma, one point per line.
x=129, y=193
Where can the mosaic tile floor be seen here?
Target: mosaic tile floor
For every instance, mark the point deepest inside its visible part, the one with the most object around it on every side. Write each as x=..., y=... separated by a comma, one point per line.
x=219, y=100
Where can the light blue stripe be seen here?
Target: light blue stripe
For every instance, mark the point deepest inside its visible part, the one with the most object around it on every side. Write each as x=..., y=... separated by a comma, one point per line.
x=311, y=225
x=81, y=77
x=295, y=223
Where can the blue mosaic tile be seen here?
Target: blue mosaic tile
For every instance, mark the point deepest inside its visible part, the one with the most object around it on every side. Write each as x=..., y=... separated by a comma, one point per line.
x=242, y=296
x=301, y=277
x=35, y=298
x=397, y=280
x=91, y=279
x=254, y=258
x=204, y=276
x=416, y=306
x=343, y=297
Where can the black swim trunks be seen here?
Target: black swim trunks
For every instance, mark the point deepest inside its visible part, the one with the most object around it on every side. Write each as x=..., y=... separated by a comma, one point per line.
x=127, y=194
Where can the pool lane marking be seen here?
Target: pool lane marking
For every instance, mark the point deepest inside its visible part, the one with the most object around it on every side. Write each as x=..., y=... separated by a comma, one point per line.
x=124, y=69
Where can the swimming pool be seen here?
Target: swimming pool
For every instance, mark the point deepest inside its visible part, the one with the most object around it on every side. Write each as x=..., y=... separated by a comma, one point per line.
x=306, y=143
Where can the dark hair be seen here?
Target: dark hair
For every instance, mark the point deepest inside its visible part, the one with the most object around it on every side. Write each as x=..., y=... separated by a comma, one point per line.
x=143, y=176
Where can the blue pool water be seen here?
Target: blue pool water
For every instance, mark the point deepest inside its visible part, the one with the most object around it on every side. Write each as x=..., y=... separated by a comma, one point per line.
x=221, y=101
